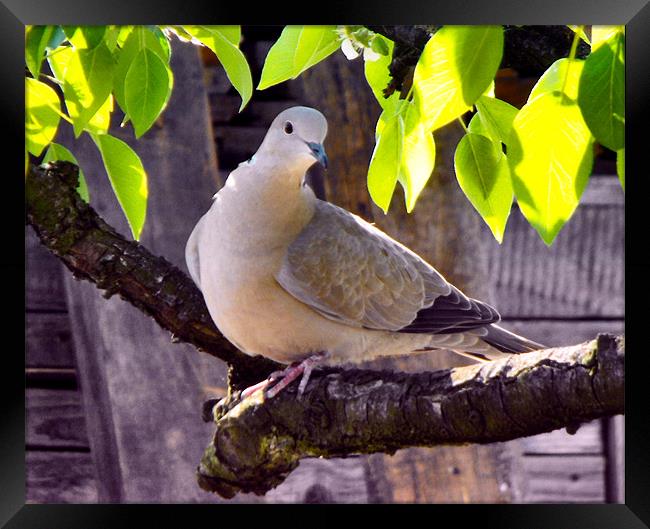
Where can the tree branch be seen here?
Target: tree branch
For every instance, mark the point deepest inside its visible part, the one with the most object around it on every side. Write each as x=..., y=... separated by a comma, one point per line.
x=529, y=50
x=94, y=251
x=344, y=412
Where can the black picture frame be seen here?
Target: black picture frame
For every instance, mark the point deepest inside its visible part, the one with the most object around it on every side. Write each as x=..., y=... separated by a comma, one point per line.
x=635, y=14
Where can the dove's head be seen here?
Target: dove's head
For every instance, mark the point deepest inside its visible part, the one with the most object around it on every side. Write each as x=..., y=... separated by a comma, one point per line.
x=297, y=135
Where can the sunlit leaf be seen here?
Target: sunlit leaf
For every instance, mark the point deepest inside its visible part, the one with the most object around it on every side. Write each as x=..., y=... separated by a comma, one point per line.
x=36, y=40
x=87, y=83
x=457, y=65
x=230, y=56
x=101, y=121
x=497, y=117
x=85, y=36
x=550, y=152
x=42, y=115
x=297, y=49
x=601, y=34
x=377, y=73
x=620, y=166
x=562, y=76
x=418, y=156
x=385, y=162
x=483, y=175
x=138, y=39
x=602, y=92
x=146, y=90
x=56, y=152
x=128, y=178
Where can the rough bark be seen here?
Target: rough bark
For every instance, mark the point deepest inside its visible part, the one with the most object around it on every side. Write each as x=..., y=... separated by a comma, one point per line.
x=345, y=412
x=94, y=251
x=529, y=50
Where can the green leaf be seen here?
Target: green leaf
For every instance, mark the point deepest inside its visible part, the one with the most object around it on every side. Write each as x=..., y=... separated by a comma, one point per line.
x=232, y=59
x=562, y=76
x=377, y=73
x=87, y=83
x=483, y=175
x=620, y=166
x=497, y=116
x=58, y=37
x=85, y=36
x=385, y=162
x=417, y=158
x=297, y=49
x=123, y=33
x=455, y=68
x=146, y=90
x=56, y=152
x=128, y=178
x=101, y=121
x=36, y=40
x=601, y=34
x=138, y=39
x=602, y=92
x=550, y=152
x=42, y=115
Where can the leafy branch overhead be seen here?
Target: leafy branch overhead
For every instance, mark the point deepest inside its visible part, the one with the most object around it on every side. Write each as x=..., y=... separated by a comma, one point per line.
x=541, y=155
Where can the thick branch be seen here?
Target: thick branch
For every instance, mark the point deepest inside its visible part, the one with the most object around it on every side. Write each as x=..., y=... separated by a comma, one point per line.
x=93, y=250
x=258, y=443
x=529, y=50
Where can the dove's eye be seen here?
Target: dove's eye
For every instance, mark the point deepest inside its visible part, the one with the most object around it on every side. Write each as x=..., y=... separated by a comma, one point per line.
x=288, y=127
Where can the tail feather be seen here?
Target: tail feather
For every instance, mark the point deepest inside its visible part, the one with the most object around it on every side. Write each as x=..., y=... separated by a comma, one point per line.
x=509, y=342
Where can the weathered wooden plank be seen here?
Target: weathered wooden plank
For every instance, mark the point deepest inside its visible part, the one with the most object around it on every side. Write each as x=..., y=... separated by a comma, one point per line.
x=603, y=190
x=580, y=275
x=588, y=440
x=563, y=479
x=60, y=477
x=43, y=276
x=55, y=418
x=48, y=340
x=323, y=481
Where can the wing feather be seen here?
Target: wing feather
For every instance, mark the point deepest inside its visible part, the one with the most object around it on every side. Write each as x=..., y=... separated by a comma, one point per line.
x=349, y=271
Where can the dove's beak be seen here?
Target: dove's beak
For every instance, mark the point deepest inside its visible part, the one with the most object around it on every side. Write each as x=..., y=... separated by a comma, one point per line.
x=318, y=151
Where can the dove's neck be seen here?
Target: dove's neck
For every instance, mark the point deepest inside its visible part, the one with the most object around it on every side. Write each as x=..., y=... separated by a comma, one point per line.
x=266, y=201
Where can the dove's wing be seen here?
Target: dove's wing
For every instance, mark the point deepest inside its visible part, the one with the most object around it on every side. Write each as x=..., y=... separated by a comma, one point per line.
x=349, y=271
x=192, y=252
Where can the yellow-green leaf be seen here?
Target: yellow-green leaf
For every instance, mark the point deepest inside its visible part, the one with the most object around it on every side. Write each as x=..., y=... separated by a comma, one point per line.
x=457, y=65
x=417, y=158
x=297, y=49
x=36, y=40
x=85, y=36
x=562, y=76
x=497, y=117
x=56, y=152
x=230, y=56
x=42, y=115
x=128, y=178
x=385, y=162
x=550, y=152
x=483, y=175
x=138, y=39
x=602, y=92
x=601, y=34
x=146, y=90
x=377, y=73
x=87, y=83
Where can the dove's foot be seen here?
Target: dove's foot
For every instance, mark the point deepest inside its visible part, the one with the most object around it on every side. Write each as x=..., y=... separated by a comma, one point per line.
x=290, y=374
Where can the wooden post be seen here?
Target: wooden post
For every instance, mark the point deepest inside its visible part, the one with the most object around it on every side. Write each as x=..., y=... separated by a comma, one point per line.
x=142, y=393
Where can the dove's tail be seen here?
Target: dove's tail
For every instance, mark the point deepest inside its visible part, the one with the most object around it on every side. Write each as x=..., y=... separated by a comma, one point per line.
x=509, y=342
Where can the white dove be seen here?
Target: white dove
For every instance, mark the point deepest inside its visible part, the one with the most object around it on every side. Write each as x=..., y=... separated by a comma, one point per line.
x=304, y=282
